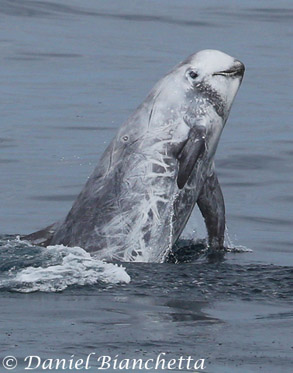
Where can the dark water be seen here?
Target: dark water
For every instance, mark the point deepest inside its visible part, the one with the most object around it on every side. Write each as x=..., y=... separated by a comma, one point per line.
x=71, y=73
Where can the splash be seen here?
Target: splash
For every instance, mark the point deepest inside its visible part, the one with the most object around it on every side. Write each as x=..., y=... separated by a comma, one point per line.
x=231, y=247
x=53, y=269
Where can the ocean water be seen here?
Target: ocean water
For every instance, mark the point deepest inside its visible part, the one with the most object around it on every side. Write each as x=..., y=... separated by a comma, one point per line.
x=71, y=73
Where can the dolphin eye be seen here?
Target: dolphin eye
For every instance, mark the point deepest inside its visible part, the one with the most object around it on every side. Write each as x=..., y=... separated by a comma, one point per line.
x=125, y=138
x=193, y=74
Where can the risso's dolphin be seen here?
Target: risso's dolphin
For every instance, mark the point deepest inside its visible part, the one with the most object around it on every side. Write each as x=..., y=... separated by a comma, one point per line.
x=138, y=200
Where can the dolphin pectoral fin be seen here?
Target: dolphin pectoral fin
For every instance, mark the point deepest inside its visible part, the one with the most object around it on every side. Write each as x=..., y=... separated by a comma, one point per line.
x=212, y=207
x=42, y=237
x=192, y=149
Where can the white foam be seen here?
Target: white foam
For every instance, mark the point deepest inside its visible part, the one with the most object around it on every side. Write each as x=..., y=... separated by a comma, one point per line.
x=239, y=249
x=232, y=247
x=77, y=267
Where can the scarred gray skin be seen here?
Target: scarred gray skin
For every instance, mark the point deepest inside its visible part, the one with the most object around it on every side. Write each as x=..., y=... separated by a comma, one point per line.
x=138, y=200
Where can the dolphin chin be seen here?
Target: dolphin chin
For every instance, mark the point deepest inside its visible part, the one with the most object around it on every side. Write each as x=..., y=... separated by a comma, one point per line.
x=160, y=164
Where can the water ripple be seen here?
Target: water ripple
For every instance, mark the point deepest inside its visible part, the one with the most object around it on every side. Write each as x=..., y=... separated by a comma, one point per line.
x=48, y=9
x=29, y=268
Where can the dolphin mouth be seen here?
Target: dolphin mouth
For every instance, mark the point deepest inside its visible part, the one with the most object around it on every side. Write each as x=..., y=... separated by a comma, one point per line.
x=236, y=70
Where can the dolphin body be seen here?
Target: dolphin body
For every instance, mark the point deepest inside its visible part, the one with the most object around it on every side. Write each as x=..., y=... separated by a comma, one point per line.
x=140, y=196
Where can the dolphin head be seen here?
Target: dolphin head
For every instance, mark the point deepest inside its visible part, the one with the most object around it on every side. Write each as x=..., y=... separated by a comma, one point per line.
x=199, y=90
x=206, y=79
x=213, y=75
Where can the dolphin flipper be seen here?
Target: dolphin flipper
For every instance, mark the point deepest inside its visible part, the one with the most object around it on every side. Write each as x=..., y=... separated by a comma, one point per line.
x=42, y=237
x=192, y=149
x=212, y=207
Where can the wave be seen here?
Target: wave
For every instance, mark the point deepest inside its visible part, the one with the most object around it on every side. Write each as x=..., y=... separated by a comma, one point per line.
x=27, y=268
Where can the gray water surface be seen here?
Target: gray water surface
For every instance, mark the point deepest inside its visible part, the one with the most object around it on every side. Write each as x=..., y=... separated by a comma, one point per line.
x=71, y=73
